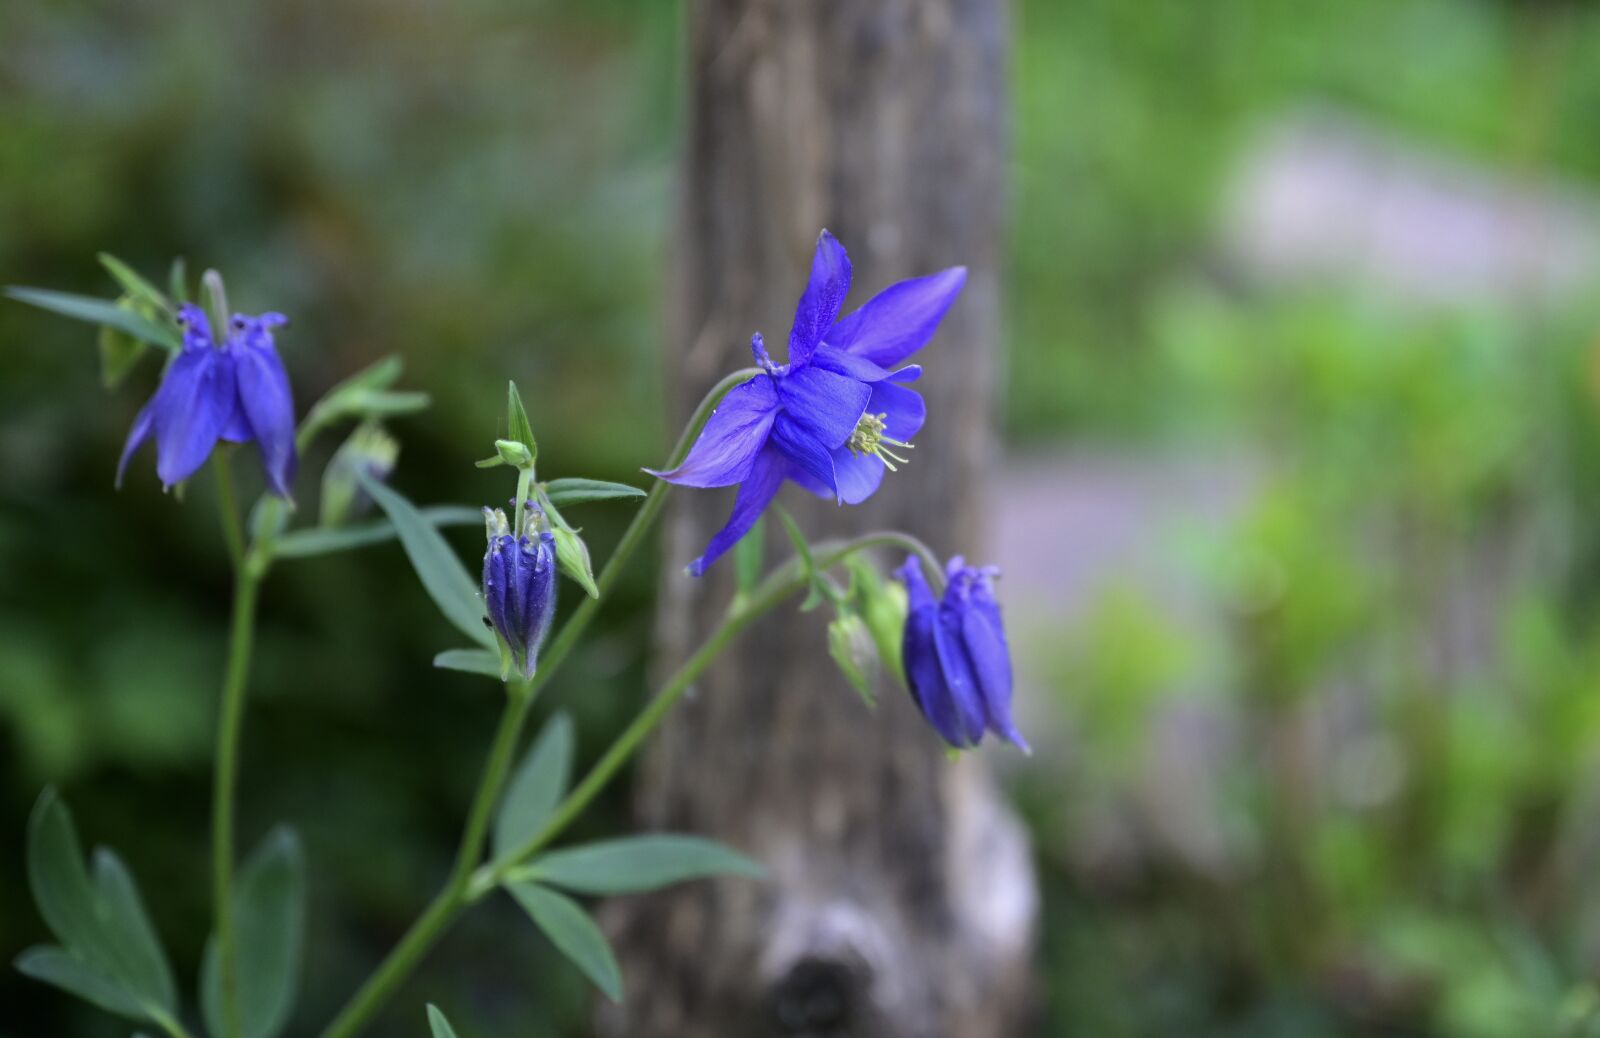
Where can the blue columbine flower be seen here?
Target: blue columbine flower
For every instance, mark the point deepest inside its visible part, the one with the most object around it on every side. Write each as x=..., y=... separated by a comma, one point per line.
x=956, y=659
x=237, y=392
x=829, y=418
x=519, y=585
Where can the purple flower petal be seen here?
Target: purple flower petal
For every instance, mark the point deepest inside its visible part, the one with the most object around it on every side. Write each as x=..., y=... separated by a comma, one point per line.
x=755, y=493
x=903, y=409
x=900, y=320
x=819, y=305
x=143, y=426
x=498, y=584
x=538, y=597
x=909, y=373
x=984, y=636
x=806, y=453
x=268, y=404
x=857, y=476
x=859, y=368
x=825, y=403
x=191, y=407
x=731, y=439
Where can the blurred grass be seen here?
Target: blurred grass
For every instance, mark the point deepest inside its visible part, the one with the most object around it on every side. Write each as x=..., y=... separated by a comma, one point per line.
x=1393, y=835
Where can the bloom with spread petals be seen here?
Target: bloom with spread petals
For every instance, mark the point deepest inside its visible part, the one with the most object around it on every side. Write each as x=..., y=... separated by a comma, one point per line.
x=236, y=391
x=956, y=660
x=832, y=417
x=519, y=585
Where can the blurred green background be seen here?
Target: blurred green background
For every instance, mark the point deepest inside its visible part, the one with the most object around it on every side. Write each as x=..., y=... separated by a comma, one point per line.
x=1327, y=763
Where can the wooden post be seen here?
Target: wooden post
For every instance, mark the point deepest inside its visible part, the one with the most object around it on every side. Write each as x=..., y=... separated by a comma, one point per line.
x=901, y=900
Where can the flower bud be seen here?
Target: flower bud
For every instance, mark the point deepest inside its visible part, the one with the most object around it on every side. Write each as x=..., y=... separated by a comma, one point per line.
x=851, y=646
x=573, y=556
x=368, y=449
x=514, y=453
x=519, y=585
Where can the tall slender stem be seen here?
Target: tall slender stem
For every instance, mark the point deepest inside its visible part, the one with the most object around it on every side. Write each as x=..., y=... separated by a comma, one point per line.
x=404, y=956
x=230, y=721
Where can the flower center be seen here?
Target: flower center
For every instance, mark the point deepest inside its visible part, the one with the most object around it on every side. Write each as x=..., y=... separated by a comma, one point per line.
x=869, y=438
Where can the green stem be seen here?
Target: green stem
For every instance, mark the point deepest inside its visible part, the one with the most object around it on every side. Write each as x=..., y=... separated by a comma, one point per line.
x=228, y=506
x=404, y=956
x=447, y=904
x=167, y=1023
x=230, y=721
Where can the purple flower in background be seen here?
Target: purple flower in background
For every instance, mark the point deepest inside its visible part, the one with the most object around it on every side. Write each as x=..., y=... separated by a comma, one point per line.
x=237, y=392
x=956, y=659
x=519, y=585
x=829, y=418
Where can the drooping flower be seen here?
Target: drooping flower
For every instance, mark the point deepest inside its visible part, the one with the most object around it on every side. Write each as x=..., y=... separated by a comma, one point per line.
x=235, y=391
x=832, y=417
x=519, y=585
x=957, y=662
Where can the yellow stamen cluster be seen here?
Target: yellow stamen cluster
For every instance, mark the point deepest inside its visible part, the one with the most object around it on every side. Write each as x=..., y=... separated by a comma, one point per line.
x=869, y=438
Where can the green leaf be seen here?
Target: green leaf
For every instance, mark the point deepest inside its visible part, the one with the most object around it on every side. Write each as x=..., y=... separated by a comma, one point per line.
x=747, y=557
x=132, y=944
x=638, y=863
x=133, y=283
x=517, y=426
x=536, y=788
x=112, y=956
x=576, y=491
x=440, y=571
x=386, y=403
x=363, y=393
x=470, y=661
x=572, y=931
x=98, y=311
x=59, y=880
x=319, y=540
x=73, y=975
x=269, y=919
x=119, y=354
x=441, y=1027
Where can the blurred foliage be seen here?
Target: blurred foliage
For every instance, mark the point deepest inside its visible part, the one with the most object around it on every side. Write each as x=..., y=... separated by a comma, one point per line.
x=1354, y=795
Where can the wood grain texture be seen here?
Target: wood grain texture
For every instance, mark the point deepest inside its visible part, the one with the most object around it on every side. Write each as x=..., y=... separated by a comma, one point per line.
x=902, y=898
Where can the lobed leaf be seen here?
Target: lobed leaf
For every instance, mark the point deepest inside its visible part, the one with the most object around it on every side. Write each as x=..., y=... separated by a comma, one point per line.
x=132, y=944
x=536, y=788
x=269, y=920
x=572, y=932
x=63, y=969
x=441, y=572
x=635, y=864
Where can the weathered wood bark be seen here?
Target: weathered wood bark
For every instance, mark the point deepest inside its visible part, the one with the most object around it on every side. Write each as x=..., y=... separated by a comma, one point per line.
x=902, y=899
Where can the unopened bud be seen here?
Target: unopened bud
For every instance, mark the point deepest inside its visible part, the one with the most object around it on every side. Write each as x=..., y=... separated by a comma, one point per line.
x=514, y=453
x=368, y=449
x=851, y=646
